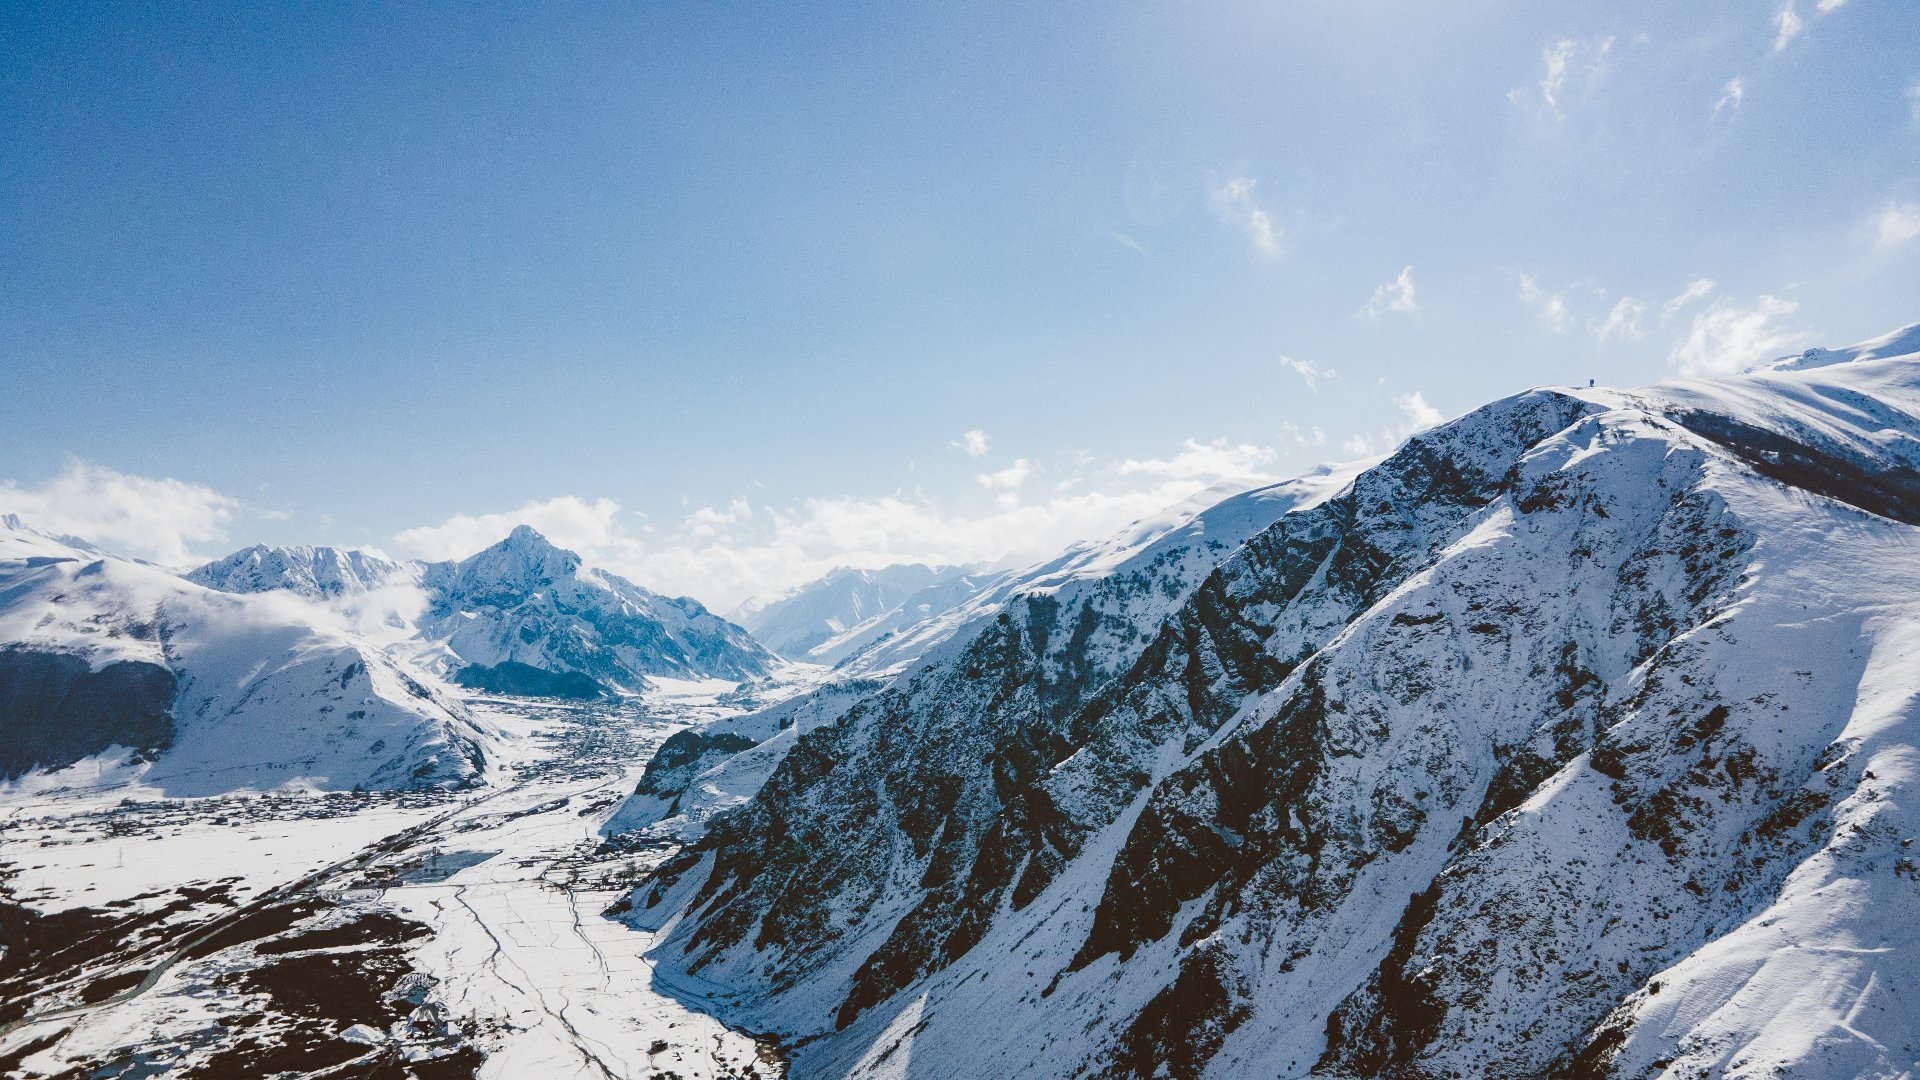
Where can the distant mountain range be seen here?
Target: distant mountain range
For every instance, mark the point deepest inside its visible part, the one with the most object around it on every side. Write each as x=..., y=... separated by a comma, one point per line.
x=829, y=619
x=522, y=616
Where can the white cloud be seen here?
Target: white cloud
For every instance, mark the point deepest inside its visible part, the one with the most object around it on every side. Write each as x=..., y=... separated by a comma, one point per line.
x=1210, y=460
x=1567, y=58
x=156, y=519
x=1010, y=477
x=1897, y=224
x=1726, y=338
x=1788, y=26
x=1913, y=101
x=1623, y=322
x=1556, y=57
x=592, y=529
x=1417, y=415
x=1395, y=295
x=1235, y=204
x=1730, y=97
x=973, y=442
x=1697, y=289
x=1420, y=415
x=1825, y=6
x=782, y=548
x=1127, y=242
x=710, y=521
x=1299, y=436
x=1306, y=370
x=1552, y=306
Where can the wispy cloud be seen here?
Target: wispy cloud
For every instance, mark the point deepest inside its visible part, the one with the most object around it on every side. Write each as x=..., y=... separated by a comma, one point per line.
x=1551, y=306
x=1897, y=224
x=1622, y=323
x=1303, y=437
x=1010, y=477
x=1306, y=370
x=159, y=519
x=1730, y=97
x=1697, y=289
x=973, y=442
x=1235, y=204
x=1825, y=6
x=714, y=521
x=1417, y=415
x=1394, y=296
x=1127, y=242
x=1787, y=25
x=1727, y=337
x=1196, y=459
x=1573, y=64
x=1420, y=415
x=1913, y=102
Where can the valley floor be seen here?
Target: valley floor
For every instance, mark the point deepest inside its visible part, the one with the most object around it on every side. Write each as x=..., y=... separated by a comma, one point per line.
x=341, y=934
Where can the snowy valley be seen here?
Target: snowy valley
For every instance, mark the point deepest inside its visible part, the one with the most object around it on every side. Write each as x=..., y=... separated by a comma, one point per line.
x=1573, y=737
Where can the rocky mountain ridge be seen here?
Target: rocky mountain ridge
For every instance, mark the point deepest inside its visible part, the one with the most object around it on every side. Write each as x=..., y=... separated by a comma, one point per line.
x=1571, y=739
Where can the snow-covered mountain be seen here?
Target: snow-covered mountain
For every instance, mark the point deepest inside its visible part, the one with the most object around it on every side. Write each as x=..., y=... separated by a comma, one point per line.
x=1574, y=738
x=315, y=572
x=828, y=619
x=192, y=691
x=522, y=616
x=524, y=610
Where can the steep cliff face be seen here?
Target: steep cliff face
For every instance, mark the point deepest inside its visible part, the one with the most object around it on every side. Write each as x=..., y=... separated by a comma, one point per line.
x=1465, y=771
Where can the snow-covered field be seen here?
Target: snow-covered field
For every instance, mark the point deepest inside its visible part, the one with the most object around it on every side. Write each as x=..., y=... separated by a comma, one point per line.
x=459, y=924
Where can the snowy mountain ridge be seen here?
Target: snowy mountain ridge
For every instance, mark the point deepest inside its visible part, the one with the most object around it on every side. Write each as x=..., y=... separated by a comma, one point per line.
x=317, y=573
x=1573, y=738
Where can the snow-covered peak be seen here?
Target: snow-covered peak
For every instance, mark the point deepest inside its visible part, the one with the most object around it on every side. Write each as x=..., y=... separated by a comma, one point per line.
x=314, y=572
x=524, y=560
x=525, y=603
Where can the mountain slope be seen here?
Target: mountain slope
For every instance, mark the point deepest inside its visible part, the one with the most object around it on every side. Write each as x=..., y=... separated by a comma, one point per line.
x=194, y=691
x=1511, y=759
x=1111, y=592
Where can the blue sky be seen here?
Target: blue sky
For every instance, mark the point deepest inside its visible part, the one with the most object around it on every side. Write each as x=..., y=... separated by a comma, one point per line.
x=715, y=293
